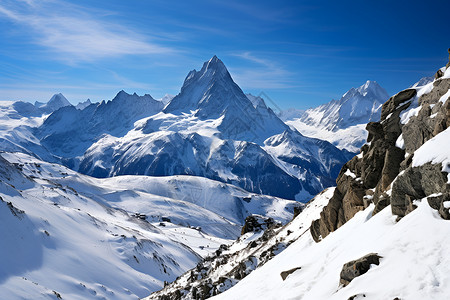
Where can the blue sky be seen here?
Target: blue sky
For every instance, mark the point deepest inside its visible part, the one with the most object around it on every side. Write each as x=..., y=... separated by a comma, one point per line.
x=300, y=53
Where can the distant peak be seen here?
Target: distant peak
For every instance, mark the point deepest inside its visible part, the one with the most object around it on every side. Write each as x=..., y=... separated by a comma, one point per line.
x=59, y=98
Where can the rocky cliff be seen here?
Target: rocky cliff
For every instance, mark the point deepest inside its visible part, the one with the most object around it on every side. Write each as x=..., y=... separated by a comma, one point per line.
x=395, y=167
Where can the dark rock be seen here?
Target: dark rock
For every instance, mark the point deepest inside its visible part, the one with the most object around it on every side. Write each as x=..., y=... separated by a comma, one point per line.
x=448, y=64
x=297, y=211
x=255, y=223
x=438, y=74
x=358, y=296
x=391, y=105
x=375, y=130
x=358, y=267
x=416, y=183
x=393, y=157
x=285, y=274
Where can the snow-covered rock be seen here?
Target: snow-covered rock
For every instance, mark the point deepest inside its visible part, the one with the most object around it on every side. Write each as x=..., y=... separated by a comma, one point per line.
x=227, y=266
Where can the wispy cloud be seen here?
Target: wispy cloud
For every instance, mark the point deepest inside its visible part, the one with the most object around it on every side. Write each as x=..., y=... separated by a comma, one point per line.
x=75, y=33
x=266, y=73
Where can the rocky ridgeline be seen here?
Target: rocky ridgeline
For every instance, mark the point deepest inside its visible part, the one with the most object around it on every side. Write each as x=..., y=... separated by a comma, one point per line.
x=227, y=266
x=383, y=173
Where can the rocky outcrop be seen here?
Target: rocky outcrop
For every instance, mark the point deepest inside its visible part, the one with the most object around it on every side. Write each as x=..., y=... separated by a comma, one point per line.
x=225, y=269
x=383, y=173
x=358, y=267
x=285, y=274
x=255, y=223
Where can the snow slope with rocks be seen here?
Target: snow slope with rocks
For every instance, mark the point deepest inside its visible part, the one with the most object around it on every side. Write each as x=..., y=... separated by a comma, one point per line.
x=414, y=264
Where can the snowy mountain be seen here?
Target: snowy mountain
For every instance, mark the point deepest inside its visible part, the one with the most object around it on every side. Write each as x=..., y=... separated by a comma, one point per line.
x=69, y=131
x=256, y=100
x=212, y=129
x=55, y=103
x=79, y=237
x=342, y=121
x=423, y=81
x=382, y=233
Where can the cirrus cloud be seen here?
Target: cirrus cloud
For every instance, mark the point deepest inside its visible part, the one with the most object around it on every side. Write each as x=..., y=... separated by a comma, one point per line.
x=74, y=33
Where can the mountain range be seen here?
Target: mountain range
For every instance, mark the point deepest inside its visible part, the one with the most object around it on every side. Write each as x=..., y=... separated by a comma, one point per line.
x=210, y=129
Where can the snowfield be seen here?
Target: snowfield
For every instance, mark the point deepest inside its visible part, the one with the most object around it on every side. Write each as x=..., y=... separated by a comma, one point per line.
x=80, y=237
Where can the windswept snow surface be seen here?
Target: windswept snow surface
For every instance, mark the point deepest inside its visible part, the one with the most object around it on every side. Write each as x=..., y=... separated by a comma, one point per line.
x=414, y=264
x=115, y=238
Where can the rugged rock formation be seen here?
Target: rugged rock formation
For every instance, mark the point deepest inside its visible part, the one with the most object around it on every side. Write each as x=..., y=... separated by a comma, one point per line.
x=383, y=173
x=357, y=267
x=255, y=223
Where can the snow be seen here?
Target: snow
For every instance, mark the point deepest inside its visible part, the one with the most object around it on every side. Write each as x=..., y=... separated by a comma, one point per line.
x=445, y=97
x=351, y=138
x=239, y=252
x=400, y=143
x=435, y=151
x=414, y=108
x=415, y=248
x=350, y=173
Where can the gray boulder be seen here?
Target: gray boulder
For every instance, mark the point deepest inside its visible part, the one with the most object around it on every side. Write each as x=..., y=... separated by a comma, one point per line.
x=358, y=267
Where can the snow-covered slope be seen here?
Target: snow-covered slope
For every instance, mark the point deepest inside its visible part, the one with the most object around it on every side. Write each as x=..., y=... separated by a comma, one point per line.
x=17, y=120
x=116, y=238
x=342, y=122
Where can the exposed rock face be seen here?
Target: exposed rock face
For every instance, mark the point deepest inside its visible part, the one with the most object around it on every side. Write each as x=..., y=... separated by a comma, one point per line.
x=358, y=267
x=383, y=173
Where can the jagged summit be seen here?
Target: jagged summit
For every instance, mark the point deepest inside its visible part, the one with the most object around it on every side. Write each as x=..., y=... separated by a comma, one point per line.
x=357, y=106
x=210, y=90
